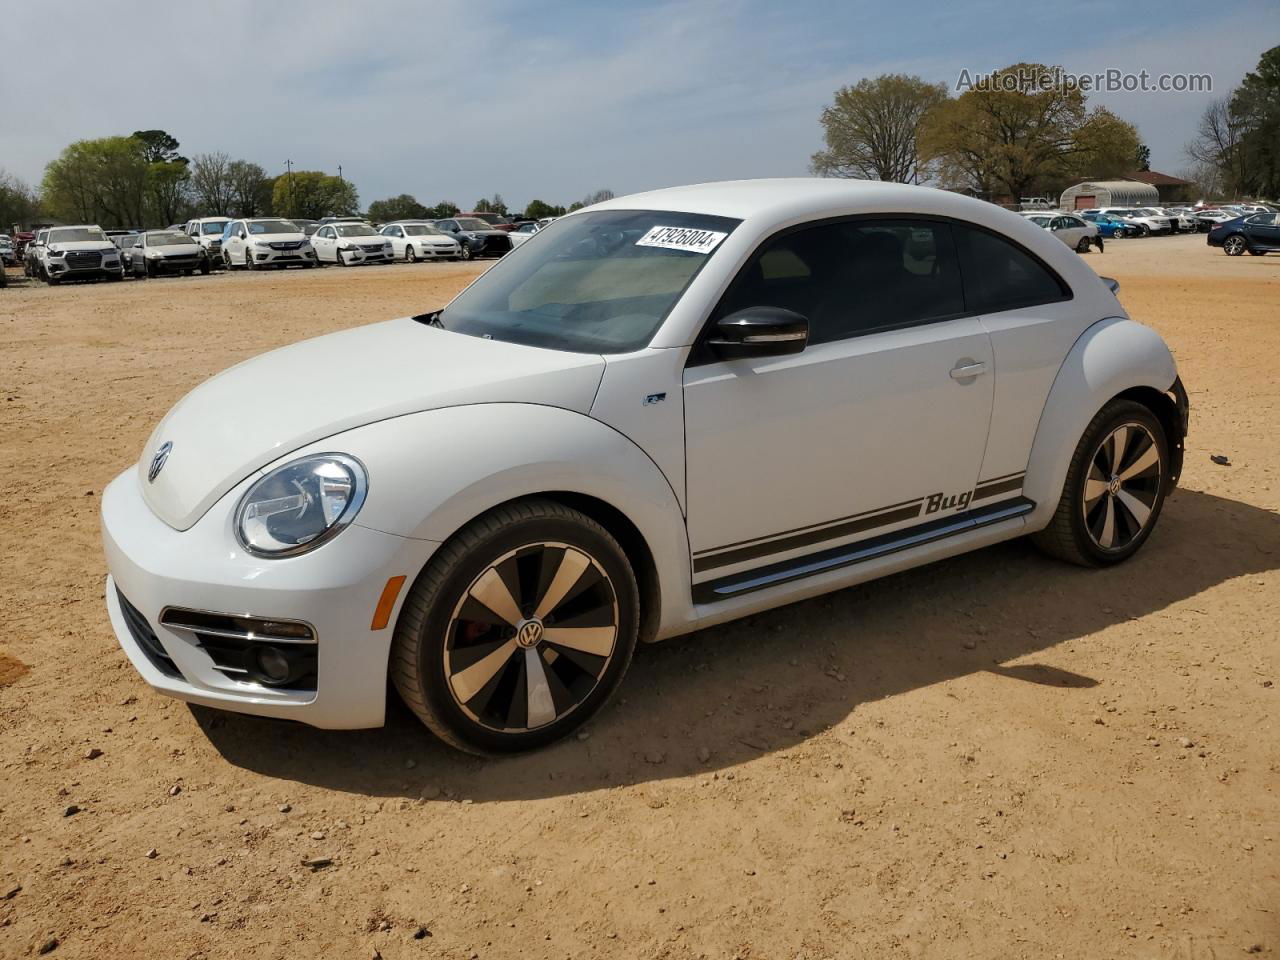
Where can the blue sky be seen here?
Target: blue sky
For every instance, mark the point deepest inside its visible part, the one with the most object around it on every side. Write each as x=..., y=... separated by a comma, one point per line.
x=554, y=100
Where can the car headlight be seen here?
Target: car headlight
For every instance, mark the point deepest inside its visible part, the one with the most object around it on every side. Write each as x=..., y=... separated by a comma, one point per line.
x=56, y=253
x=300, y=505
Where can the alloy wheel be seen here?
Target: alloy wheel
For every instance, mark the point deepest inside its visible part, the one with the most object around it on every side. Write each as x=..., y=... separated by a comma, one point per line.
x=1234, y=245
x=1122, y=486
x=531, y=637
x=410, y=255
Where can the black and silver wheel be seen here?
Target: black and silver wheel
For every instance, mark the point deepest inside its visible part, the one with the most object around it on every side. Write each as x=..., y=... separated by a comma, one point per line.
x=1083, y=245
x=249, y=263
x=518, y=630
x=410, y=254
x=1115, y=487
x=465, y=253
x=1234, y=245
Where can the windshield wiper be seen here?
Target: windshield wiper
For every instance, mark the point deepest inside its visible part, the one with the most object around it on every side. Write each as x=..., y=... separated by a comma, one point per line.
x=431, y=319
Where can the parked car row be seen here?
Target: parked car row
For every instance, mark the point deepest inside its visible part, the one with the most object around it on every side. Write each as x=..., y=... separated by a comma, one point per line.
x=204, y=244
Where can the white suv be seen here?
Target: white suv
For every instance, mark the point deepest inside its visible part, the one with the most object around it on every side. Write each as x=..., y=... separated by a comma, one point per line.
x=1146, y=218
x=673, y=410
x=207, y=231
x=254, y=243
x=72, y=253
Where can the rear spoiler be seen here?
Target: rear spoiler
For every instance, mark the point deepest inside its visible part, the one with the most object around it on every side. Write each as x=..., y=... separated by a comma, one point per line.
x=1112, y=285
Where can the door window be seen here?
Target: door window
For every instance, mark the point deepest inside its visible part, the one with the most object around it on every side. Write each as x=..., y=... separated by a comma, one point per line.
x=854, y=277
x=999, y=275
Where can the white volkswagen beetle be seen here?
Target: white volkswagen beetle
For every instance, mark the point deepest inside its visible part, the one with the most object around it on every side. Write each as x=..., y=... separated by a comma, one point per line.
x=675, y=409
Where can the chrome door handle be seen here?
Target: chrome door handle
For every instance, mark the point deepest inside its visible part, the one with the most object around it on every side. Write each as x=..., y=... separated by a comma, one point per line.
x=967, y=371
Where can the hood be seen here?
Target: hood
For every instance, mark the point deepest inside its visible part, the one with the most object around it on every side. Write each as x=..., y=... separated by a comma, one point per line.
x=276, y=237
x=101, y=246
x=256, y=412
x=176, y=249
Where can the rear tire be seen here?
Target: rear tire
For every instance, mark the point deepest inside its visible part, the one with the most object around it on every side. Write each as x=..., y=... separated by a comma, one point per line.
x=464, y=668
x=1109, y=508
x=1234, y=245
x=1083, y=245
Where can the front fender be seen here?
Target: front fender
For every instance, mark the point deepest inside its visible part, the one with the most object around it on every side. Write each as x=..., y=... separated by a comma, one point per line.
x=433, y=472
x=1110, y=357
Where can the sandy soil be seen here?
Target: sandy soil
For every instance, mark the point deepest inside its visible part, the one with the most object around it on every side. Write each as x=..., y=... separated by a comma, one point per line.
x=998, y=756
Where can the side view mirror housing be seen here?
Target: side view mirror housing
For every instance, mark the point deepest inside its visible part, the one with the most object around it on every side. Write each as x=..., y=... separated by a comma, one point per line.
x=759, y=332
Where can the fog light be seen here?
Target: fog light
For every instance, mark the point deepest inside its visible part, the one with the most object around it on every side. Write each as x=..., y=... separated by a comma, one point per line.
x=272, y=665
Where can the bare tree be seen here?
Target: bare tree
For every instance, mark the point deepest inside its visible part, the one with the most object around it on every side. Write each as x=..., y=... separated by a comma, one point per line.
x=250, y=189
x=212, y=183
x=871, y=129
x=1219, y=143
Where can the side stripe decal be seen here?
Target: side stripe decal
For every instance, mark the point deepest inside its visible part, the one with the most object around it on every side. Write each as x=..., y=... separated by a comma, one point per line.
x=857, y=552
x=744, y=550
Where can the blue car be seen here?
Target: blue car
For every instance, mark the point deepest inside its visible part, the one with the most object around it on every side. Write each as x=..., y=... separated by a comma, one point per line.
x=1111, y=227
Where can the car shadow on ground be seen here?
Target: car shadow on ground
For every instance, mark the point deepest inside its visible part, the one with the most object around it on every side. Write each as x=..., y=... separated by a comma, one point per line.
x=770, y=681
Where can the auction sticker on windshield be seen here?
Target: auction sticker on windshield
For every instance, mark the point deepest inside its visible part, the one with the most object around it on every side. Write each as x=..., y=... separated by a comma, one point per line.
x=682, y=238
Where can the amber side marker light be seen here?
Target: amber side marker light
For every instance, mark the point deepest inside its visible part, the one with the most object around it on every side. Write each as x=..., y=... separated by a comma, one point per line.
x=386, y=602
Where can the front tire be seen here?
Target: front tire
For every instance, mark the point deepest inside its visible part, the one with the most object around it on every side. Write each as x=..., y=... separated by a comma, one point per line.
x=410, y=255
x=465, y=253
x=518, y=630
x=1116, y=485
x=1083, y=245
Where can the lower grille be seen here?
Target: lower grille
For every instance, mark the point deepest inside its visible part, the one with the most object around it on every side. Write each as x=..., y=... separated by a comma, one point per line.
x=236, y=643
x=146, y=639
x=84, y=260
x=371, y=248
x=497, y=244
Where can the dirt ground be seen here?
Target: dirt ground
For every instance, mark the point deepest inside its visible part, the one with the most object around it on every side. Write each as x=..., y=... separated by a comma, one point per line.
x=996, y=756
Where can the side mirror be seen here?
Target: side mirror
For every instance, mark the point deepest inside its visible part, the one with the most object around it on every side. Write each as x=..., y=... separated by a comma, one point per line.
x=759, y=332
x=242, y=235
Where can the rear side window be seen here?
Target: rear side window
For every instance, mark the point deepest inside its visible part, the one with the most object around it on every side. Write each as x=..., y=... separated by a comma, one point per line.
x=1000, y=275
x=854, y=277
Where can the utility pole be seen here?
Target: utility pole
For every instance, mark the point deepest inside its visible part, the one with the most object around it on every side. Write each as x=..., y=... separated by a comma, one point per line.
x=288, y=165
x=339, y=171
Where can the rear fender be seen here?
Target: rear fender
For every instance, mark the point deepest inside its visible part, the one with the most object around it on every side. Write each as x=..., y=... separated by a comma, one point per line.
x=1111, y=357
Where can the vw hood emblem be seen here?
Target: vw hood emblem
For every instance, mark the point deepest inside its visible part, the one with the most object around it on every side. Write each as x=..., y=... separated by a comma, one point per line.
x=158, y=461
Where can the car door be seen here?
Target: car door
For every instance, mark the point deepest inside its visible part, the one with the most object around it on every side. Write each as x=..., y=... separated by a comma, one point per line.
x=878, y=425
x=233, y=243
x=325, y=243
x=398, y=242
x=1263, y=230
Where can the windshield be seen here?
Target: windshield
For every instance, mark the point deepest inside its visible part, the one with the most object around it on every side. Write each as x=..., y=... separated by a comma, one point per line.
x=167, y=239
x=214, y=228
x=355, y=230
x=597, y=283
x=75, y=235
x=1147, y=212
x=422, y=230
x=272, y=226
x=471, y=223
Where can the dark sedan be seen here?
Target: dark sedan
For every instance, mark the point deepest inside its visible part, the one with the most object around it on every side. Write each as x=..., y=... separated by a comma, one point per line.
x=1258, y=233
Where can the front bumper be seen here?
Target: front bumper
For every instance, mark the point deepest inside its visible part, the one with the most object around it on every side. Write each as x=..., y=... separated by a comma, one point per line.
x=334, y=589
x=359, y=255
x=428, y=251
x=270, y=255
x=69, y=271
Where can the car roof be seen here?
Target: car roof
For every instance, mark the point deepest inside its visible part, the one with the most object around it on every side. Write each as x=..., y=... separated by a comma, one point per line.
x=791, y=200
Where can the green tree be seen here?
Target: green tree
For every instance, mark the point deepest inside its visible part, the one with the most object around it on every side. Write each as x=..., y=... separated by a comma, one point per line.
x=537, y=209
x=1004, y=136
x=1143, y=157
x=1255, y=109
x=871, y=129
x=443, y=210
x=18, y=202
x=158, y=146
x=312, y=194
x=101, y=181
x=167, y=198
x=403, y=207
